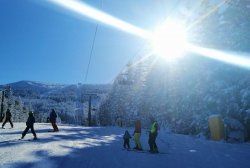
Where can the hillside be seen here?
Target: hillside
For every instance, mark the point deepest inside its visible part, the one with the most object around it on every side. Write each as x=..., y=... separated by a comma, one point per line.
x=69, y=101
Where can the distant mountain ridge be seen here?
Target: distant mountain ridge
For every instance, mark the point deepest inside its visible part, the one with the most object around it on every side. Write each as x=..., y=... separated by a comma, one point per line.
x=33, y=89
x=70, y=101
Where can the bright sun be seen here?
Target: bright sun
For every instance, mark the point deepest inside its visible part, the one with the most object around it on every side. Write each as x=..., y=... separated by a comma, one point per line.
x=169, y=40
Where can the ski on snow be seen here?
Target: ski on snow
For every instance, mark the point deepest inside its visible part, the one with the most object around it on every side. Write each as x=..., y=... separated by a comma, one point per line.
x=28, y=139
x=143, y=151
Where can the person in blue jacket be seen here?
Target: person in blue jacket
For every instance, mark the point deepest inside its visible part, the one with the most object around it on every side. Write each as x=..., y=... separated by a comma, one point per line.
x=30, y=125
x=52, y=119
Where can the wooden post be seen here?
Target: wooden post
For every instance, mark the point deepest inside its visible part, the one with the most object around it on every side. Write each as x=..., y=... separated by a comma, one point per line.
x=89, y=114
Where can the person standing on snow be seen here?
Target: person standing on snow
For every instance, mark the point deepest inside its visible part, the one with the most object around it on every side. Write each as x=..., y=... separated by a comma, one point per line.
x=7, y=118
x=126, y=138
x=152, y=136
x=52, y=119
x=30, y=125
x=137, y=135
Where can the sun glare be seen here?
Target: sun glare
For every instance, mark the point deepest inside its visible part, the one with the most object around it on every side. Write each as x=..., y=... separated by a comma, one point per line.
x=169, y=40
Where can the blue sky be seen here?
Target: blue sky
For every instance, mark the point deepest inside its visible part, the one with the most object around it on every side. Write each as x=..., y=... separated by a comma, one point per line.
x=41, y=42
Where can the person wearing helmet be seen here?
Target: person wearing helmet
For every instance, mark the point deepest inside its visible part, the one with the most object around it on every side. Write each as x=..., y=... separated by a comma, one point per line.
x=30, y=125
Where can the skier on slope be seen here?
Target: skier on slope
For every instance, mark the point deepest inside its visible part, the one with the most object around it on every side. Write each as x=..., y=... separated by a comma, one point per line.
x=30, y=125
x=52, y=119
x=152, y=136
x=7, y=118
x=137, y=135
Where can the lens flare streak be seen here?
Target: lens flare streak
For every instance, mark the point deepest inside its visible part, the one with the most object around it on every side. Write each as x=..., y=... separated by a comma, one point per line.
x=85, y=10
x=88, y=11
x=233, y=59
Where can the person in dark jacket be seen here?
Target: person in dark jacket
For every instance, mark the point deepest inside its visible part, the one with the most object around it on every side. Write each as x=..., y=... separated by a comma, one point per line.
x=29, y=125
x=7, y=118
x=152, y=137
x=52, y=119
x=126, y=138
x=137, y=135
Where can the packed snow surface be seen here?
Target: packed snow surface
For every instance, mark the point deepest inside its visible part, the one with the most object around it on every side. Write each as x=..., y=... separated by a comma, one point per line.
x=99, y=147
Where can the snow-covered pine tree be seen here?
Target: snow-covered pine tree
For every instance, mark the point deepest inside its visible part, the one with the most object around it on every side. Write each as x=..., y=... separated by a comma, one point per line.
x=235, y=25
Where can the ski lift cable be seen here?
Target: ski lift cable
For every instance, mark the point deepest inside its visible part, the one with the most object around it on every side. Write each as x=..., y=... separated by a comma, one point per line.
x=91, y=53
x=90, y=57
x=92, y=48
